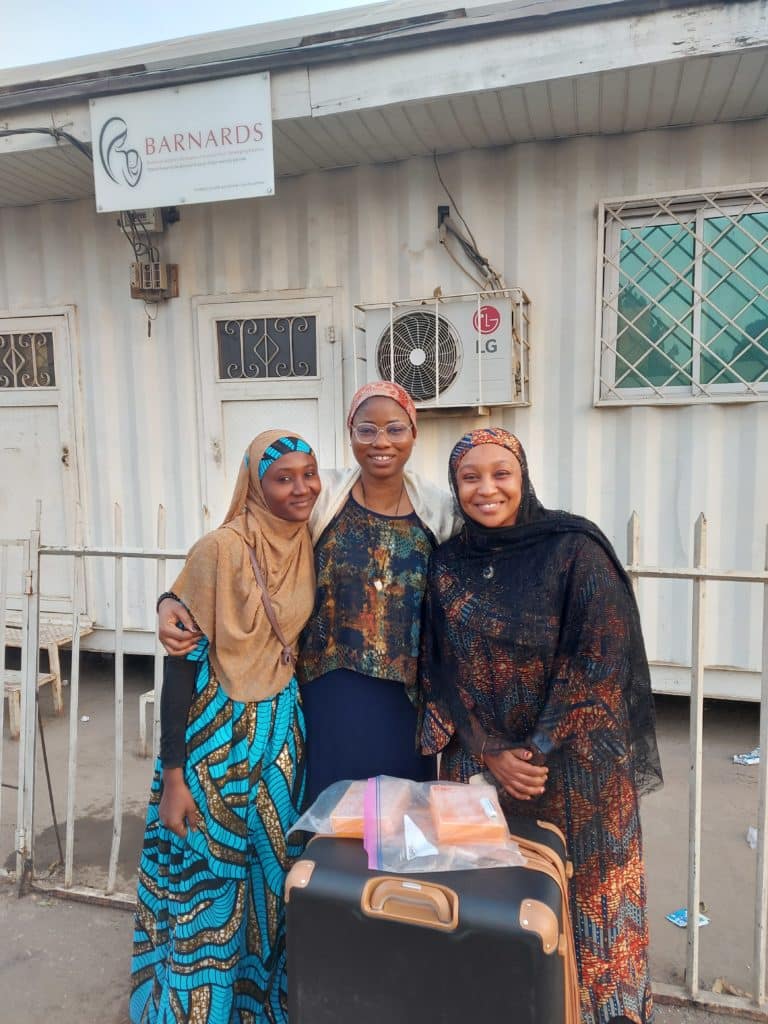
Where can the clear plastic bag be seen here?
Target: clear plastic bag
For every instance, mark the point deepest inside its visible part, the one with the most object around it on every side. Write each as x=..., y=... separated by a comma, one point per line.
x=410, y=827
x=339, y=810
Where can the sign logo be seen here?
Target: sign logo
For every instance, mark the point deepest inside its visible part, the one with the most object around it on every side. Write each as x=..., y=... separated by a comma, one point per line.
x=486, y=320
x=199, y=143
x=121, y=164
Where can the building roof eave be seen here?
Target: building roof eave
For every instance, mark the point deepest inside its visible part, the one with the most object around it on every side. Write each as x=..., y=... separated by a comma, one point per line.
x=389, y=36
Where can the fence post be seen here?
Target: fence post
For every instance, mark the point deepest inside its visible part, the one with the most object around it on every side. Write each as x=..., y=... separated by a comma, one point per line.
x=25, y=807
x=3, y=607
x=698, y=636
x=761, y=890
x=117, y=819
x=74, y=704
x=633, y=550
x=159, y=650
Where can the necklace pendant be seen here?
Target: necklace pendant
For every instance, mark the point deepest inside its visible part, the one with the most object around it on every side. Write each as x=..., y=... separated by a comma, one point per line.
x=378, y=585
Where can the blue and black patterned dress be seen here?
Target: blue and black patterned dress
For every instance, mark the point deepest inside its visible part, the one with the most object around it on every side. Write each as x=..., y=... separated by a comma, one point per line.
x=358, y=653
x=209, y=944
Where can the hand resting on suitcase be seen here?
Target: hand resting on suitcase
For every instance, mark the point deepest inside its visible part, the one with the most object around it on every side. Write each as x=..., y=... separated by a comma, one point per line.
x=518, y=776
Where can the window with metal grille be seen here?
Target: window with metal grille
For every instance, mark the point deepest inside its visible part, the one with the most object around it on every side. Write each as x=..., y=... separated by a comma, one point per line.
x=684, y=298
x=26, y=360
x=267, y=347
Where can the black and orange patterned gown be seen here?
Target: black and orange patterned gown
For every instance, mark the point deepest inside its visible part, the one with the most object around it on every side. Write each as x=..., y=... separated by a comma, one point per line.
x=532, y=638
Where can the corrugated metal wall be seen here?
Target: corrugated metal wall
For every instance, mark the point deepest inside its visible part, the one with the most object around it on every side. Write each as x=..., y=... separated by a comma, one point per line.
x=371, y=231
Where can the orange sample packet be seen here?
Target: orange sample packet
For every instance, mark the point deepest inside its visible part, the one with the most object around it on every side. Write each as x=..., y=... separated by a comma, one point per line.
x=467, y=814
x=347, y=817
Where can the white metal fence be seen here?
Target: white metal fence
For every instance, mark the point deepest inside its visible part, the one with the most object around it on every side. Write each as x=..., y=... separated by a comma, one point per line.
x=34, y=552
x=8, y=786
x=701, y=577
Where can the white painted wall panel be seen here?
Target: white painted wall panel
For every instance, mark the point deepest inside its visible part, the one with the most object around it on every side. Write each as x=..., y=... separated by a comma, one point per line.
x=371, y=232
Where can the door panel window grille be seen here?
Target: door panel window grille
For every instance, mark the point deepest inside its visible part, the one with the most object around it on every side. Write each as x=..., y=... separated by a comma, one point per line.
x=26, y=360
x=684, y=298
x=267, y=348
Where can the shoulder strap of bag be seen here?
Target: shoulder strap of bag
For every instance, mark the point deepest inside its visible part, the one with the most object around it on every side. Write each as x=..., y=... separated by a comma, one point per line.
x=287, y=656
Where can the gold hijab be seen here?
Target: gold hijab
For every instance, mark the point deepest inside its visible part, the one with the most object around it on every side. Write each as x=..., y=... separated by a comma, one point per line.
x=218, y=586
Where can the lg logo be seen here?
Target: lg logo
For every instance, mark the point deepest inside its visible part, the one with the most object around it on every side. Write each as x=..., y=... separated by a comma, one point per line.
x=121, y=164
x=485, y=321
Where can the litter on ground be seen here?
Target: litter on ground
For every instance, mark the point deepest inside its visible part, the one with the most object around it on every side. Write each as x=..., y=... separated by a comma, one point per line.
x=753, y=757
x=680, y=918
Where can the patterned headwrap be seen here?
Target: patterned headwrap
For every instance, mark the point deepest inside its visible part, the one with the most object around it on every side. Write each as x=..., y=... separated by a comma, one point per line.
x=382, y=389
x=530, y=506
x=283, y=446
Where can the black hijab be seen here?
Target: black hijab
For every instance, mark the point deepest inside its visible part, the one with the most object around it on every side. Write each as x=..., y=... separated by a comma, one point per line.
x=534, y=525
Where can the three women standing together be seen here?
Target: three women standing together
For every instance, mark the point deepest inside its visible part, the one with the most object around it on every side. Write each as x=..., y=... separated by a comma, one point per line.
x=533, y=669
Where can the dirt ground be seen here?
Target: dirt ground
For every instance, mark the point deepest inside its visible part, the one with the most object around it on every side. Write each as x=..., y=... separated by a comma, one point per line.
x=68, y=961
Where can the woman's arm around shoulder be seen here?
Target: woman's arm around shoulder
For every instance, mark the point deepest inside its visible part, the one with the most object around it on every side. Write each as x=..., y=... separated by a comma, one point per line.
x=176, y=628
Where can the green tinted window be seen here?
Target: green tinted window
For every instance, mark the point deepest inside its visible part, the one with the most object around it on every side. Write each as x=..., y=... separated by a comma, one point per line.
x=655, y=306
x=734, y=313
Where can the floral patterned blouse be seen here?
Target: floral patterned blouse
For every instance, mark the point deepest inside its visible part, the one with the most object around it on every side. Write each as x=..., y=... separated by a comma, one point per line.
x=371, y=575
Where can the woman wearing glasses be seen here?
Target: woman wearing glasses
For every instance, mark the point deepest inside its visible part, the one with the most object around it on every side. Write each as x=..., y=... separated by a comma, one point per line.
x=374, y=531
x=374, y=528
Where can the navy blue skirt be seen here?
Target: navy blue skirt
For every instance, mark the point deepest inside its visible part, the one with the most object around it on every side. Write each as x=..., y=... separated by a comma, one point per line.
x=358, y=727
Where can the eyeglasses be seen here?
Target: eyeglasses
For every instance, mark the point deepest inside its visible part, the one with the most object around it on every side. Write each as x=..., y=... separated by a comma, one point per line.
x=367, y=433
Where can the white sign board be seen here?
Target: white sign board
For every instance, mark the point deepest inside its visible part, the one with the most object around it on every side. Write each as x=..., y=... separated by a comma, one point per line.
x=198, y=143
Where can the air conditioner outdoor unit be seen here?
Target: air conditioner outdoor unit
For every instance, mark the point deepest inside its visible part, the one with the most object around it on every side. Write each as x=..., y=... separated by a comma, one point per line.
x=453, y=351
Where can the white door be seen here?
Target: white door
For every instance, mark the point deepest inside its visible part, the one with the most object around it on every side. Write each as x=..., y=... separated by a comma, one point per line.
x=264, y=363
x=38, y=456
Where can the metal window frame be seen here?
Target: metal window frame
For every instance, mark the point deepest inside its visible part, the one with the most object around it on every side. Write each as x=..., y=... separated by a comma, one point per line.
x=659, y=209
x=35, y=386
x=267, y=377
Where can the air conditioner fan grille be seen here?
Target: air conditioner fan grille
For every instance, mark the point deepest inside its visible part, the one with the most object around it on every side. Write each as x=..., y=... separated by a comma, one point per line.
x=423, y=354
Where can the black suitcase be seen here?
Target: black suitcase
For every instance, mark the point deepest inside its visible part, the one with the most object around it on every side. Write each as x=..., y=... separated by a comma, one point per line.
x=452, y=947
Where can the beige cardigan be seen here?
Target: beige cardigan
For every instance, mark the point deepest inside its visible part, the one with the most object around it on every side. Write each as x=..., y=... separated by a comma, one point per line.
x=433, y=506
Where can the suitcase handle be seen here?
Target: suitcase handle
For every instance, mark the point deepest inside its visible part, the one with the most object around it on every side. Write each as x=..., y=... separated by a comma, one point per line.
x=421, y=903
